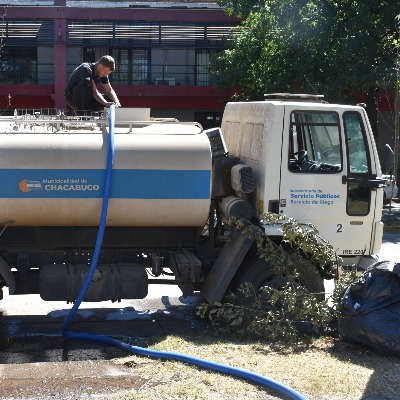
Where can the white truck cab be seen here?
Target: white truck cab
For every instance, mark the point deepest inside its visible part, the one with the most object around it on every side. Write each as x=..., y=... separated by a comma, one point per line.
x=315, y=162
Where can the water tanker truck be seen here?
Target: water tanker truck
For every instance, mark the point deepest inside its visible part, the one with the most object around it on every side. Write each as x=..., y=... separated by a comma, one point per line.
x=173, y=187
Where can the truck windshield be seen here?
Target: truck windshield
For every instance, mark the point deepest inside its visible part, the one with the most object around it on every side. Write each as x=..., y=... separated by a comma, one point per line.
x=314, y=142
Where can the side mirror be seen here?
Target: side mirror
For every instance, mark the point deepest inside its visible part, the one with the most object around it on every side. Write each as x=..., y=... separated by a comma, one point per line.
x=389, y=159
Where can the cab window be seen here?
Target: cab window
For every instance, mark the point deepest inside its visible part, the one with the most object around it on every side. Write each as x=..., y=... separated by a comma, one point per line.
x=314, y=142
x=359, y=167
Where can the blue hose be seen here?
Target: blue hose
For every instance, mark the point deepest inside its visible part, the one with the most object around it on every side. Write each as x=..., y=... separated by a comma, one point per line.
x=102, y=225
x=238, y=372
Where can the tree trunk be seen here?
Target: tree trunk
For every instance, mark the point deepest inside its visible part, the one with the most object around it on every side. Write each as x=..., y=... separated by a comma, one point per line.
x=372, y=109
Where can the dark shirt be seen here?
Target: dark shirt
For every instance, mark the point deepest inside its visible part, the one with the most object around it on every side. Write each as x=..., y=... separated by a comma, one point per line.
x=85, y=72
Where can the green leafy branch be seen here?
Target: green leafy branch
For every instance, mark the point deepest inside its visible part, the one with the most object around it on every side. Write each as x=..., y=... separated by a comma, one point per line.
x=283, y=314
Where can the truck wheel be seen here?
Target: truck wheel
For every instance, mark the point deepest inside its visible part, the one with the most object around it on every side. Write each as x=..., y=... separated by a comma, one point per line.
x=259, y=273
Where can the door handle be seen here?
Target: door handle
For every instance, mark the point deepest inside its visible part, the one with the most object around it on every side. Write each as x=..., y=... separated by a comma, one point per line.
x=346, y=179
x=375, y=183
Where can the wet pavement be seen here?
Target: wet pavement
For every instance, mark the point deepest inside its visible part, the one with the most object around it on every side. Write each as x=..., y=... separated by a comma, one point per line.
x=32, y=338
x=36, y=362
x=69, y=380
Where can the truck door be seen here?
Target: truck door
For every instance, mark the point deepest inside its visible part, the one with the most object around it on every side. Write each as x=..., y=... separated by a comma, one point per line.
x=326, y=175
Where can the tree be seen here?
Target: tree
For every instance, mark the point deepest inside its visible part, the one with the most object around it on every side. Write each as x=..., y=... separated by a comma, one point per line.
x=339, y=48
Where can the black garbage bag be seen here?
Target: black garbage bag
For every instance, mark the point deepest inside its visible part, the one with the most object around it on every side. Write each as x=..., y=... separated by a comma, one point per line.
x=371, y=309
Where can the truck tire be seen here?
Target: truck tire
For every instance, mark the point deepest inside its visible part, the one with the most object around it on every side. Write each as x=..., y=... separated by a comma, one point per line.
x=260, y=273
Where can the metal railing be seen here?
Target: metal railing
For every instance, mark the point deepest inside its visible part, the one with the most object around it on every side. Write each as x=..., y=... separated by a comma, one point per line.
x=154, y=74
x=162, y=74
x=52, y=120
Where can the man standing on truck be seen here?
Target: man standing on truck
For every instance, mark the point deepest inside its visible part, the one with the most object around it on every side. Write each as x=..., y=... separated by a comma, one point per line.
x=81, y=91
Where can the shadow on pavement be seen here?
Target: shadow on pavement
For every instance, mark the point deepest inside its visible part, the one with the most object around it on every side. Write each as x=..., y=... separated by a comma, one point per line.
x=38, y=338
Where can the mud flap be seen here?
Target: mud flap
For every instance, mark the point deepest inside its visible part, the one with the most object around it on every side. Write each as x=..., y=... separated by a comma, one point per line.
x=225, y=266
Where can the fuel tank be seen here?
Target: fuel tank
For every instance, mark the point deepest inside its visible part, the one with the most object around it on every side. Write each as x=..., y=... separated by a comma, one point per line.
x=55, y=177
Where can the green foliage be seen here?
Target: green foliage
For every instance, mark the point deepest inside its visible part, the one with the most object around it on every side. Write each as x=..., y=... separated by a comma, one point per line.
x=305, y=239
x=330, y=47
x=346, y=278
x=276, y=315
x=282, y=314
x=300, y=246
